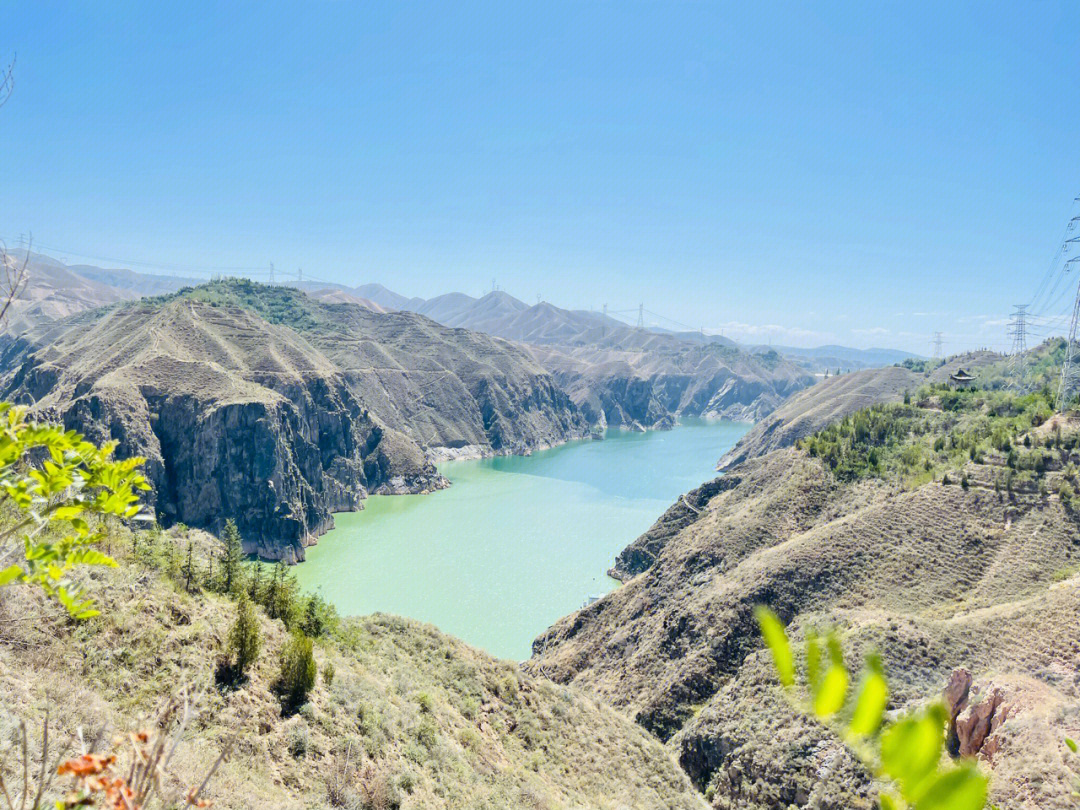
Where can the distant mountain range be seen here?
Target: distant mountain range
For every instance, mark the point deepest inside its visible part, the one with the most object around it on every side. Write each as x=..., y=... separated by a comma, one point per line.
x=844, y=357
x=57, y=290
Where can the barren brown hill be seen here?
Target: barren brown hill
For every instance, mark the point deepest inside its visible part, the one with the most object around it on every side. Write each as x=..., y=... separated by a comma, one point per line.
x=935, y=576
x=624, y=376
x=280, y=424
x=54, y=291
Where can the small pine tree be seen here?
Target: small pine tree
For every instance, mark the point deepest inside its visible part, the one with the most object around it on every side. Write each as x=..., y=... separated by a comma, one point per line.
x=298, y=671
x=245, y=640
x=231, y=558
x=313, y=623
x=256, y=586
x=328, y=673
x=172, y=560
x=189, y=568
x=270, y=595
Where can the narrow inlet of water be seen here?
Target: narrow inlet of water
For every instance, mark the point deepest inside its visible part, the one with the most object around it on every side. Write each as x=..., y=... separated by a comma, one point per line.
x=515, y=542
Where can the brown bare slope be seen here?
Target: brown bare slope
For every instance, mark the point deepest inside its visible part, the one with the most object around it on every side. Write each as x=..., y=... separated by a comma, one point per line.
x=936, y=577
x=280, y=424
x=621, y=375
x=54, y=291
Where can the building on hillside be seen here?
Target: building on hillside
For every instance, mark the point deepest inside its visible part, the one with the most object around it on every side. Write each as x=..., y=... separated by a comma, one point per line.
x=961, y=379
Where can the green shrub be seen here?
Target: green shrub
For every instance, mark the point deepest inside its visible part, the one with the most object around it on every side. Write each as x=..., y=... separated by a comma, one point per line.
x=424, y=701
x=328, y=674
x=232, y=558
x=298, y=741
x=1066, y=493
x=297, y=676
x=245, y=640
x=319, y=616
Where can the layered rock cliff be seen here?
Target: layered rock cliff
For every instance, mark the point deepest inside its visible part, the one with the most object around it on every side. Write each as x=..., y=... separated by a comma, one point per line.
x=262, y=405
x=667, y=377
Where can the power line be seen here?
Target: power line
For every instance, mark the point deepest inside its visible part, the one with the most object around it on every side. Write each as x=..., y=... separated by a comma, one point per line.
x=174, y=268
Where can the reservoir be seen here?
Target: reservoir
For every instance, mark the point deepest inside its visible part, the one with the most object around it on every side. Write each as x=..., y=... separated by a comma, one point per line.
x=516, y=542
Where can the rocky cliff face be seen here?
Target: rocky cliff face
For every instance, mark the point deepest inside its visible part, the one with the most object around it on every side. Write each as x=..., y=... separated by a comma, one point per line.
x=667, y=377
x=934, y=578
x=244, y=418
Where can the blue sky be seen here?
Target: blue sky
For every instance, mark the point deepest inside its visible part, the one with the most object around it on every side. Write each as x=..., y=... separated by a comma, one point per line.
x=864, y=173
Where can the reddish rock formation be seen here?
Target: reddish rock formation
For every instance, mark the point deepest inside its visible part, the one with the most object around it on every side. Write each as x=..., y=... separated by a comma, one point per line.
x=972, y=725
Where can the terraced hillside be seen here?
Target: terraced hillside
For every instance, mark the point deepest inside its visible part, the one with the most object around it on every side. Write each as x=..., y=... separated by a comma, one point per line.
x=264, y=405
x=943, y=534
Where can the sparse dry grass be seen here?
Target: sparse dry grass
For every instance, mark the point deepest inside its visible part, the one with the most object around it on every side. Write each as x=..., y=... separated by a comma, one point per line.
x=412, y=718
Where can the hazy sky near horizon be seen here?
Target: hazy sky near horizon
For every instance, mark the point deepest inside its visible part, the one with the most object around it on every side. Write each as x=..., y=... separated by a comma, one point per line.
x=861, y=173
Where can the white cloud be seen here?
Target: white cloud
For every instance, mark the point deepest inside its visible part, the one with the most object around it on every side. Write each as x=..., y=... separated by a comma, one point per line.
x=876, y=330
x=773, y=333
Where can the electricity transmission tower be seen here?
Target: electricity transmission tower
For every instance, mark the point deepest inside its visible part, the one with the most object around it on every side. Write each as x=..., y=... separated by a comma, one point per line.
x=1069, y=371
x=937, y=345
x=1018, y=332
x=271, y=274
x=641, y=316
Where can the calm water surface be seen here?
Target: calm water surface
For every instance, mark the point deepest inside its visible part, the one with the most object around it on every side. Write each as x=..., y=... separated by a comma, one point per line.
x=515, y=542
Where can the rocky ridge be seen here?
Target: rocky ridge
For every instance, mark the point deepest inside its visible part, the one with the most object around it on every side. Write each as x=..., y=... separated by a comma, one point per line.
x=266, y=406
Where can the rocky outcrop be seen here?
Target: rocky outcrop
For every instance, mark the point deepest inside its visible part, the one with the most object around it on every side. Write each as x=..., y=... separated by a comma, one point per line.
x=642, y=553
x=278, y=426
x=973, y=722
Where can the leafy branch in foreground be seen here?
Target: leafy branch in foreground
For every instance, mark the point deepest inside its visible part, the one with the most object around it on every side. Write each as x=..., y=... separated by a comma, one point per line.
x=55, y=480
x=906, y=752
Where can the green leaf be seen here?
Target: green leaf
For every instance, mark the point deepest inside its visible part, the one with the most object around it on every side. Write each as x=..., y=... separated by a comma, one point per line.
x=887, y=802
x=1071, y=743
x=872, y=700
x=911, y=749
x=68, y=512
x=772, y=630
x=833, y=692
x=836, y=654
x=959, y=789
x=10, y=574
x=90, y=556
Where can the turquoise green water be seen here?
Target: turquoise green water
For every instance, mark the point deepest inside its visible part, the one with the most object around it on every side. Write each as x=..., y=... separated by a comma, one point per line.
x=515, y=542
